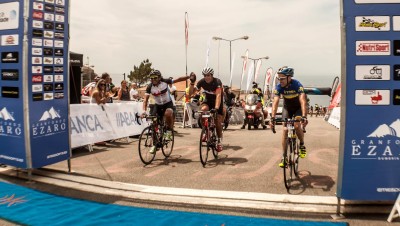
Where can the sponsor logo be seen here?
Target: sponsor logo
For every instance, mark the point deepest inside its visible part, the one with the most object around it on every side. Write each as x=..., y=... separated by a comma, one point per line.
x=58, y=44
x=37, y=79
x=373, y=23
x=48, y=51
x=58, y=60
x=48, y=78
x=48, y=96
x=396, y=97
x=371, y=72
x=37, y=69
x=48, y=25
x=59, y=86
x=58, y=95
x=37, y=6
x=75, y=61
x=37, y=96
x=48, y=60
x=37, y=15
x=396, y=47
x=37, y=51
x=9, y=40
x=9, y=15
x=48, y=43
x=9, y=74
x=9, y=92
x=37, y=24
x=59, y=52
x=48, y=69
x=60, y=10
x=372, y=97
x=59, y=35
x=59, y=27
x=85, y=123
x=396, y=23
x=37, y=33
x=50, y=1
x=8, y=125
x=372, y=48
x=50, y=123
x=9, y=57
x=396, y=72
x=59, y=18
x=48, y=87
x=58, y=78
x=37, y=60
x=48, y=8
x=49, y=34
x=127, y=119
x=37, y=88
x=60, y=2
x=49, y=16
x=37, y=42
x=58, y=69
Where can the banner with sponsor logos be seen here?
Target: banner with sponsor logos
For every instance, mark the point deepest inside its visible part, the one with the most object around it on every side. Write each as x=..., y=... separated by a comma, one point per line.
x=370, y=144
x=91, y=123
x=34, y=97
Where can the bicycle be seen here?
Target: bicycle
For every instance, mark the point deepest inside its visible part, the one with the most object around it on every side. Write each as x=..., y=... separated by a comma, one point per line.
x=208, y=136
x=291, y=153
x=153, y=136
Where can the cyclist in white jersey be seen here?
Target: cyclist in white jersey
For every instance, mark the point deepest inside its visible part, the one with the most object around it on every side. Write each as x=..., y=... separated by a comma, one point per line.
x=164, y=107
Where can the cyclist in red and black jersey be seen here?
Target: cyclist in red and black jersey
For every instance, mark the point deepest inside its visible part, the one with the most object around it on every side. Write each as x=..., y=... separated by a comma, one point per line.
x=212, y=89
x=295, y=105
x=164, y=106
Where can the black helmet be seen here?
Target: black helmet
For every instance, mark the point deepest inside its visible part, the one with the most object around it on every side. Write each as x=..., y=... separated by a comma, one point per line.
x=226, y=87
x=255, y=85
x=155, y=73
x=288, y=71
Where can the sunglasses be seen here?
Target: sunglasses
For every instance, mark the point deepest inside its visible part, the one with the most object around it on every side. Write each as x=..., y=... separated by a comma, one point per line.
x=152, y=78
x=281, y=78
x=102, y=85
x=207, y=75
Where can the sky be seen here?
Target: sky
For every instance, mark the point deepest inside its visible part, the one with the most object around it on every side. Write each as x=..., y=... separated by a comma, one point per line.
x=116, y=35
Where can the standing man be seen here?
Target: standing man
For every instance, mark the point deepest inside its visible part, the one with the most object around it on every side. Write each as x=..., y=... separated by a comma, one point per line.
x=109, y=87
x=133, y=93
x=294, y=105
x=212, y=88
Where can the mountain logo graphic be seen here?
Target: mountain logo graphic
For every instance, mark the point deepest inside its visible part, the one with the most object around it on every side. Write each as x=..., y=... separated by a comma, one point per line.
x=6, y=115
x=387, y=130
x=50, y=114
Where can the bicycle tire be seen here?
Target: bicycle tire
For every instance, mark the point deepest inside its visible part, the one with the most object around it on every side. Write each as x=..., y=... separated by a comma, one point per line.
x=168, y=145
x=214, y=143
x=287, y=165
x=296, y=158
x=146, y=141
x=204, y=146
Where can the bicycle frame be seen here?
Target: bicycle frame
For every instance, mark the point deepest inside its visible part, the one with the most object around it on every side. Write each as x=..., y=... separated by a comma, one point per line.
x=208, y=136
x=291, y=153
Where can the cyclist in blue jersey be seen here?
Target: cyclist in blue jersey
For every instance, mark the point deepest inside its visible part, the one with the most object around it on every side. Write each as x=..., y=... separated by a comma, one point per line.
x=295, y=105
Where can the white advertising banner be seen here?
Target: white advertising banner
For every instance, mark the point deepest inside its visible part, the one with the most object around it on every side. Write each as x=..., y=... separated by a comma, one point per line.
x=373, y=72
x=125, y=118
x=334, y=117
x=372, y=97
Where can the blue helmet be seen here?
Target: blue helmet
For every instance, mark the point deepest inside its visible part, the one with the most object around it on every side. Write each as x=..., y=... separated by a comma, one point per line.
x=288, y=71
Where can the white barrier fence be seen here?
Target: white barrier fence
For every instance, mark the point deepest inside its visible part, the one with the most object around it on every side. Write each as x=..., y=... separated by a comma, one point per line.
x=91, y=123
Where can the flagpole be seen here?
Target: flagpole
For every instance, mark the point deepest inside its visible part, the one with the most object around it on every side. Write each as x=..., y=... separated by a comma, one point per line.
x=186, y=42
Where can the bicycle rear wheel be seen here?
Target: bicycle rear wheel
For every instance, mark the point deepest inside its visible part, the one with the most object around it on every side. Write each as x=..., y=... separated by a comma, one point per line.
x=146, y=142
x=287, y=169
x=204, y=145
x=168, y=145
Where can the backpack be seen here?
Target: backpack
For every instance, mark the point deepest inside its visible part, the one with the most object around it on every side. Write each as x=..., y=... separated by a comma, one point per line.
x=86, y=90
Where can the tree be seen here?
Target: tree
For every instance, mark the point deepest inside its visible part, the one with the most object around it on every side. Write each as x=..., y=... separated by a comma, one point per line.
x=140, y=74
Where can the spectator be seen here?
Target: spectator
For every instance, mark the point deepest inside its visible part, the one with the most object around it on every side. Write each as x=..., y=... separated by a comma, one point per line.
x=123, y=92
x=100, y=96
x=133, y=93
x=109, y=86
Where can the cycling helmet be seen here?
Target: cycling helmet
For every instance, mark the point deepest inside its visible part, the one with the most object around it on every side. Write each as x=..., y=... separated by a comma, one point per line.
x=226, y=87
x=208, y=70
x=255, y=85
x=155, y=73
x=288, y=71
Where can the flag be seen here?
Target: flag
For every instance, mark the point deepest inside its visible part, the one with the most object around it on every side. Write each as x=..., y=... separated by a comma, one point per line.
x=208, y=51
x=250, y=76
x=246, y=57
x=257, y=69
x=186, y=29
x=233, y=62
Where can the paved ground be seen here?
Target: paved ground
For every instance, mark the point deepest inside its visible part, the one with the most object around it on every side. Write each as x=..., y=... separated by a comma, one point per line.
x=247, y=164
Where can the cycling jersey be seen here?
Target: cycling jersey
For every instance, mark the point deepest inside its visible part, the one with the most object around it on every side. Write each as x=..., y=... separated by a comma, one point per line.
x=160, y=92
x=209, y=89
x=290, y=94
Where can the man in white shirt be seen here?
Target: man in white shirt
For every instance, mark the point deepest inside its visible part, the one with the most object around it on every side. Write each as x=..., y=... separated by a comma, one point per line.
x=133, y=93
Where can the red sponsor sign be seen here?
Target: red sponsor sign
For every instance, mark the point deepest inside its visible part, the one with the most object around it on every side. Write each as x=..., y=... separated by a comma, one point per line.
x=37, y=79
x=37, y=15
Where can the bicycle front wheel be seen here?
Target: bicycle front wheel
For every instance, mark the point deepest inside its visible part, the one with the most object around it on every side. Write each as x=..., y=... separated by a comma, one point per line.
x=204, y=146
x=214, y=143
x=287, y=168
x=296, y=158
x=168, y=145
x=146, y=143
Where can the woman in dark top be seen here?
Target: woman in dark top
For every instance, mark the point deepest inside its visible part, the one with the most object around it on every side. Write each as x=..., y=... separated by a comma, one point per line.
x=123, y=93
